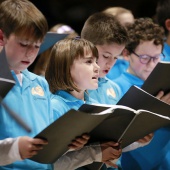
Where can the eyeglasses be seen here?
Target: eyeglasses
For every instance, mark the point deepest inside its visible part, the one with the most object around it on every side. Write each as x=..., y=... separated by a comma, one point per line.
x=145, y=59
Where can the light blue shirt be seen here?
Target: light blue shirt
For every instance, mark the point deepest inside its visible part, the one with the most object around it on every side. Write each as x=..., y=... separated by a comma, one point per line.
x=107, y=92
x=120, y=67
x=155, y=155
x=31, y=102
x=63, y=101
x=166, y=52
x=126, y=80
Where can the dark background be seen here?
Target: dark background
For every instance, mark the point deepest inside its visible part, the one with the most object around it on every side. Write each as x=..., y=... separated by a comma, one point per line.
x=75, y=12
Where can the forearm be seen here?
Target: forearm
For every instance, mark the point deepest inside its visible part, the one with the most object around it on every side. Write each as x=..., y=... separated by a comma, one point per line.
x=75, y=159
x=9, y=151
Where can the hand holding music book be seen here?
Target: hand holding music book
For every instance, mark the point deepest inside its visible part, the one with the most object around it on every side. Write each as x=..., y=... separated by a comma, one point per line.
x=158, y=79
x=103, y=123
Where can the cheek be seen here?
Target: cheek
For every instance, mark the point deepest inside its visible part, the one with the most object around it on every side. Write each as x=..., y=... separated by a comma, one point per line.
x=101, y=62
x=136, y=66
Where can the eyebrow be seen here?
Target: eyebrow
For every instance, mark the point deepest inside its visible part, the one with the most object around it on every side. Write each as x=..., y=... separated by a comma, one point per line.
x=89, y=57
x=108, y=53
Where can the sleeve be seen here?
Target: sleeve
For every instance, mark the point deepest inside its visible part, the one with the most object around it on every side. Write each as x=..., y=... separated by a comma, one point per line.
x=75, y=159
x=134, y=146
x=9, y=151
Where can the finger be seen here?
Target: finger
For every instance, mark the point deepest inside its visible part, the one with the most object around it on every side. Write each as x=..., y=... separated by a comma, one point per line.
x=116, y=154
x=160, y=95
x=37, y=147
x=111, y=164
x=81, y=140
x=166, y=98
x=112, y=144
x=38, y=141
x=29, y=155
x=74, y=147
x=86, y=136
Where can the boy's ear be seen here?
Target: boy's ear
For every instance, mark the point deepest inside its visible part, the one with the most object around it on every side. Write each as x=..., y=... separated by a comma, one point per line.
x=2, y=40
x=167, y=24
x=125, y=54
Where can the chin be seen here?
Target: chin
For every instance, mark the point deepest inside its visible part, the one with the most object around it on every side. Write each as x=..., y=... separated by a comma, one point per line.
x=93, y=88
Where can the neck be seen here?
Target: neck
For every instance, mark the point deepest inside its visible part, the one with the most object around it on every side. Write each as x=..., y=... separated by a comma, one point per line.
x=129, y=70
x=78, y=95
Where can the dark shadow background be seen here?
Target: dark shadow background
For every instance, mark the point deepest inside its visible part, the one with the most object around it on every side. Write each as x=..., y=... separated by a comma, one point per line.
x=75, y=12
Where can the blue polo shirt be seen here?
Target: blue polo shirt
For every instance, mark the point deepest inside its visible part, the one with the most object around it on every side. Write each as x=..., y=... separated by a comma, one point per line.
x=119, y=67
x=63, y=101
x=155, y=155
x=31, y=102
x=107, y=92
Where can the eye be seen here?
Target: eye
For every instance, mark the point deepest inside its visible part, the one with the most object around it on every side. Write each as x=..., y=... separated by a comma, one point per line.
x=106, y=56
x=23, y=44
x=89, y=61
x=37, y=46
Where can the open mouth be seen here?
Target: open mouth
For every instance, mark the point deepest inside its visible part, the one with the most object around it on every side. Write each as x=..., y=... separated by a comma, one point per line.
x=25, y=62
x=106, y=71
x=95, y=77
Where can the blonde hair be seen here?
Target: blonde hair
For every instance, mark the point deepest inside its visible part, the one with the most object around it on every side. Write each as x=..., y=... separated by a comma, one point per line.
x=115, y=11
x=123, y=15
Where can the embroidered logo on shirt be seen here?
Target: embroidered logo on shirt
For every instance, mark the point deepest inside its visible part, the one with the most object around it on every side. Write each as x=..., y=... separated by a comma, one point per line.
x=111, y=92
x=37, y=91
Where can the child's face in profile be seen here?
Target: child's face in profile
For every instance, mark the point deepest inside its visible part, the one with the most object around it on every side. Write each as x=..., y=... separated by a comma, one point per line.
x=20, y=53
x=108, y=55
x=144, y=48
x=85, y=72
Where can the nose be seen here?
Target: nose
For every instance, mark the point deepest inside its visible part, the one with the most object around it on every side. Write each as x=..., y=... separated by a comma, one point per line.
x=31, y=52
x=96, y=67
x=112, y=61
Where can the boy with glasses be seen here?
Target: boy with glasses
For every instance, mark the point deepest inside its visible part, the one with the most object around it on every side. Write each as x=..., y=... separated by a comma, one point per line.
x=144, y=51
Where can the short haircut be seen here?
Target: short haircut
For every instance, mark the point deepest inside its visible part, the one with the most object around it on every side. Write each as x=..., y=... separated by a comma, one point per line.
x=116, y=11
x=61, y=59
x=163, y=13
x=22, y=18
x=102, y=28
x=144, y=29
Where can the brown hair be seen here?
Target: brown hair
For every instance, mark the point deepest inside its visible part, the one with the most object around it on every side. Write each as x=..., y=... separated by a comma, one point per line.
x=23, y=19
x=41, y=64
x=102, y=28
x=61, y=59
x=144, y=29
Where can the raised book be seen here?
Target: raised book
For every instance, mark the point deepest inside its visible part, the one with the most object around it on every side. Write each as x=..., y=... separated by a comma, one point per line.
x=6, y=79
x=103, y=123
x=158, y=79
x=50, y=39
x=6, y=84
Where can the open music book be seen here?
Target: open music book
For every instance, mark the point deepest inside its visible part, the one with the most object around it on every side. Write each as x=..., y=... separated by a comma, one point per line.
x=103, y=123
x=158, y=79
